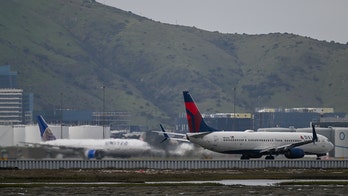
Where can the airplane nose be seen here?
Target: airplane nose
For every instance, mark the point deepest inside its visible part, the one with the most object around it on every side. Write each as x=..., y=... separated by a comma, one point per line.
x=331, y=146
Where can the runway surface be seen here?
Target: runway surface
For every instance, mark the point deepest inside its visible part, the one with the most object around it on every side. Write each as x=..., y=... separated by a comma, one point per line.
x=173, y=182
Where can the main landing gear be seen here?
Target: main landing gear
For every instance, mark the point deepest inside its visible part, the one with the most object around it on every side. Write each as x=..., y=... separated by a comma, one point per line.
x=248, y=156
x=269, y=157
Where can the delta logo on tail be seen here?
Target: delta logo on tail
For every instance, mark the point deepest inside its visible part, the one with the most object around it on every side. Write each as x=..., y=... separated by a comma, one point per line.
x=249, y=144
x=194, y=118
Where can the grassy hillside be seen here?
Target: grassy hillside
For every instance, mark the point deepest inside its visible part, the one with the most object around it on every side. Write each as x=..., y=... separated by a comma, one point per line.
x=75, y=47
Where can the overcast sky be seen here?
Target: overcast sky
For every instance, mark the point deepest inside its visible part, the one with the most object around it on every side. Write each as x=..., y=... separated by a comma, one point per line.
x=318, y=19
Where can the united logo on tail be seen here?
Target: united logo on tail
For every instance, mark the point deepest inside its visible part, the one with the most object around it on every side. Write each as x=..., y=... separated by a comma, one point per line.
x=45, y=131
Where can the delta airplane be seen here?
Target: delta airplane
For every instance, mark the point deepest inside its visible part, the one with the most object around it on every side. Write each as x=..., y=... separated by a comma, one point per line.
x=249, y=144
x=92, y=148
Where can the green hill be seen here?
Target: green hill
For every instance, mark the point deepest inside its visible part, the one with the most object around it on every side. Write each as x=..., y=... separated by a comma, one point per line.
x=75, y=47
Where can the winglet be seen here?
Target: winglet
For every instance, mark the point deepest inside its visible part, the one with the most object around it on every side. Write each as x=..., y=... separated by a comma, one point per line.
x=45, y=132
x=166, y=136
x=315, y=137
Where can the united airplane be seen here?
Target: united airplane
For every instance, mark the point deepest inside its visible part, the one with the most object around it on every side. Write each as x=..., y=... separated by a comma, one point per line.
x=250, y=144
x=92, y=148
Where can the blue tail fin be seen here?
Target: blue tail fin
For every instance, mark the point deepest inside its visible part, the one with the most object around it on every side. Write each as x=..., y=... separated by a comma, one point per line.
x=315, y=136
x=166, y=136
x=195, y=120
x=45, y=132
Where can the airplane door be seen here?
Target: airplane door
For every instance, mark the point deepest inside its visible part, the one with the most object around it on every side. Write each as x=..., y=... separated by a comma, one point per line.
x=215, y=141
x=242, y=141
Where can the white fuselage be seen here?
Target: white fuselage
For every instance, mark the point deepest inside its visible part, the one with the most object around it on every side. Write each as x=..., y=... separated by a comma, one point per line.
x=110, y=146
x=232, y=142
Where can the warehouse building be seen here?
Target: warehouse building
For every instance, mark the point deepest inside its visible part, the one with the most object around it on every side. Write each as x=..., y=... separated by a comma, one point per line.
x=18, y=135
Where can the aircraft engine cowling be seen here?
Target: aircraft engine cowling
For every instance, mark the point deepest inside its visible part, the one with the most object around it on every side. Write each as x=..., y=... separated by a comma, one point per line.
x=294, y=153
x=97, y=154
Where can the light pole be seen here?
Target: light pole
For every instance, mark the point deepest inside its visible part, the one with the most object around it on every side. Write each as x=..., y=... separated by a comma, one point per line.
x=103, y=120
x=61, y=115
x=234, y=108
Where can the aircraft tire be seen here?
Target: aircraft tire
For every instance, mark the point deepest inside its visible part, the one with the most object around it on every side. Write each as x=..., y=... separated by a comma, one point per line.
x=269, y=157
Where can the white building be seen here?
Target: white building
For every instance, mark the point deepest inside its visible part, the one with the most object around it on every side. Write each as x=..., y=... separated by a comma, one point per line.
x=11, y=106
x=18, y=135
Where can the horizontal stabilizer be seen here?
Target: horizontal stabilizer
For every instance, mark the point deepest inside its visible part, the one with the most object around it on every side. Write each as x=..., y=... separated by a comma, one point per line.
x=167, y=137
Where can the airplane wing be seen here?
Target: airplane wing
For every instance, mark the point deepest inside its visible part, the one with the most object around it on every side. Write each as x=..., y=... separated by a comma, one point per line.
x=199, y=135
x=58, y=149
x=53, y=146
x=179, y=136
x=284, y=148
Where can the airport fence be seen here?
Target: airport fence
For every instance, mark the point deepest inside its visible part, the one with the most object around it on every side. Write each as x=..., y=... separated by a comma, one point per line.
x=171, y=164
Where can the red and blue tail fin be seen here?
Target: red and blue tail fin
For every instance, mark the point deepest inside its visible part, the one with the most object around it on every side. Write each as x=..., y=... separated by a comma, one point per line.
x=195, y=120
x=45, y=132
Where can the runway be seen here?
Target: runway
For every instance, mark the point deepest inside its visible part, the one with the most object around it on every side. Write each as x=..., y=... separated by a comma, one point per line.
x=174, y=182
x=200, y=189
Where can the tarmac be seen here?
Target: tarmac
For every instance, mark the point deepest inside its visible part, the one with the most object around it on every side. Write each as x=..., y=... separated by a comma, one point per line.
x=172, y=182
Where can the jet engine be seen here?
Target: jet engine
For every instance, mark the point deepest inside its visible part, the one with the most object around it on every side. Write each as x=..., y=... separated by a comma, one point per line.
x=294, y=153
x=97, y=154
